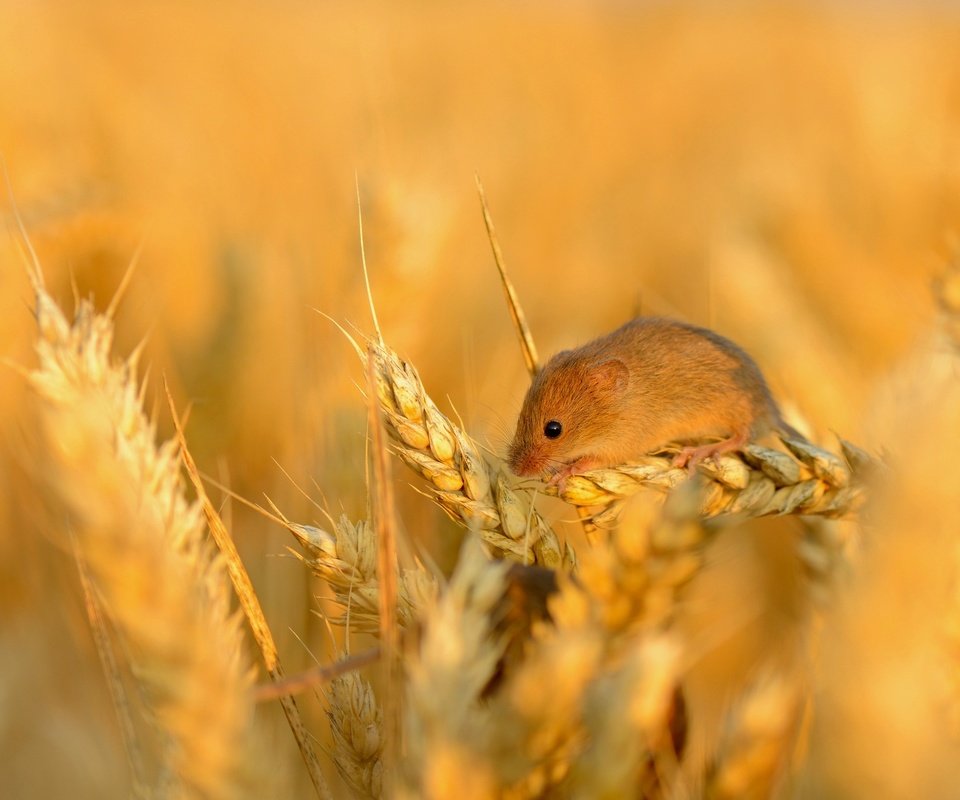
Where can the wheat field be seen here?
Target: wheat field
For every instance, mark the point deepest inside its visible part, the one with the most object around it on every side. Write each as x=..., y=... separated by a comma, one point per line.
x=786, y=624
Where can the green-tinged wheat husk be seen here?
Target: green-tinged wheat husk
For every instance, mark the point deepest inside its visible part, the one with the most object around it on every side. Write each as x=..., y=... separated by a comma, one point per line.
x=162, y=587
x=347, y=561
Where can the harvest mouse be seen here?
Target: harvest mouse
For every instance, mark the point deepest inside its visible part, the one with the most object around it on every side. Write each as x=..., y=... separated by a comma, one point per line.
x=651, y=382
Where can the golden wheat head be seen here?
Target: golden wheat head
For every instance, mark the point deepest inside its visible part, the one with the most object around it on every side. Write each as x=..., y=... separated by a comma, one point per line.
x=143, y=545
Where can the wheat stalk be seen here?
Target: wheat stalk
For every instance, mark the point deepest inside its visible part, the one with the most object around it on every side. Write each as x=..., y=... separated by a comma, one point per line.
x=250, y=604
x=385, y=523
x=315, y=676
x=143, y=544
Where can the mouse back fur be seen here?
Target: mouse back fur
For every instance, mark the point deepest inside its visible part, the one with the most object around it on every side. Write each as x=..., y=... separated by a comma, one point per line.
x=650, y=382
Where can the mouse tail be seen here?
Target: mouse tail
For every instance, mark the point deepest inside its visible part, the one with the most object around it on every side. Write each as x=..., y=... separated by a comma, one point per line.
x=785, y=429
x=773, y=422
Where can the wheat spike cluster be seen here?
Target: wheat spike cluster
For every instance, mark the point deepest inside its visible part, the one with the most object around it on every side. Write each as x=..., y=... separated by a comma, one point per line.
x=539, y=667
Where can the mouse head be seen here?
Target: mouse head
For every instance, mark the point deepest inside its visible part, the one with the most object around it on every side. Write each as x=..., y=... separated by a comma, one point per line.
x=568, y=411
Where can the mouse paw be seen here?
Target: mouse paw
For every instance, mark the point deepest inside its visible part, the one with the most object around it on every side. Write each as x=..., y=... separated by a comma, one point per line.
x=559, y=477
x=689, y=457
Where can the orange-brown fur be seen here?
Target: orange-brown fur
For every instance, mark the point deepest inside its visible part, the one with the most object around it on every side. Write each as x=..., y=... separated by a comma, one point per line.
x=650, y=382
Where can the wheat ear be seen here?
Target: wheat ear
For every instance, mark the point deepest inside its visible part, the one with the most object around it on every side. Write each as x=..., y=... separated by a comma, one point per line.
x=143, y=543
x=347, y=561
x=447, y=726
x=463, y=483
x=761, y=482
x=756, y=745
x=356, y=722
x=627, y=714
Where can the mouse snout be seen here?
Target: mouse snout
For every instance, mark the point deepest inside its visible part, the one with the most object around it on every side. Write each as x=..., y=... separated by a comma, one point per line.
x=525, y=463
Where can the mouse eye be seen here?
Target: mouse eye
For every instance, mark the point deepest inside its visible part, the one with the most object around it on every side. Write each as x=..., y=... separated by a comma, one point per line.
x=552, y=429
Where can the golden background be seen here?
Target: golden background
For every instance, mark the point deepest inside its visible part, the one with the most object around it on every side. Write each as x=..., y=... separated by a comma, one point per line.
x=787, y=174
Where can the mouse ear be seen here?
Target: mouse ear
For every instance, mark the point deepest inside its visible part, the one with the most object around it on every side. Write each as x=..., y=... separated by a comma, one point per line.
x=609, y=376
